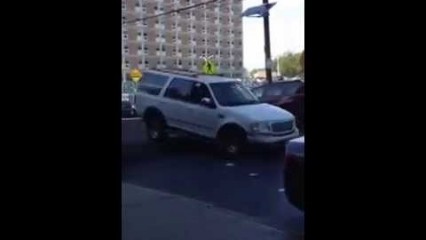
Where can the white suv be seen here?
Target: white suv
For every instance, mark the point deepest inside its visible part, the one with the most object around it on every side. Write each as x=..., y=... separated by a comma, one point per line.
x=214, y=107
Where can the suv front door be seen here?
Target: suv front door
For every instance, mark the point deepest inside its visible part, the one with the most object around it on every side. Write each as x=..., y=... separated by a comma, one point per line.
x=176, y=104
x=204, y=114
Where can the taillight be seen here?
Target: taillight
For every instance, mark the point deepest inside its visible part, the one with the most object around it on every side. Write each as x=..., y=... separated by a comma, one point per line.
x=289, y=158
x=293, y=160
x=285, y=100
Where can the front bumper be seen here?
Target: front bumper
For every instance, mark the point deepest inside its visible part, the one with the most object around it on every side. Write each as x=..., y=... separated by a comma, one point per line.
x=272, y=138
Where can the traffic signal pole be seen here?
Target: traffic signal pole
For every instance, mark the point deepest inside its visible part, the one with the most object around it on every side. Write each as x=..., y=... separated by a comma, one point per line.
x=268, y=61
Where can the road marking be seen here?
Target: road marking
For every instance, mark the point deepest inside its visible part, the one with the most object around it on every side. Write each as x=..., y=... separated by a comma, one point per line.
x=281, y=189
x=130, y=119
x=254, y=174
x=230, y=164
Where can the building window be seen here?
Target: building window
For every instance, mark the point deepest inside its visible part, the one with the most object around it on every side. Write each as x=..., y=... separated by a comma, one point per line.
x=137, y=4
x=146, y=62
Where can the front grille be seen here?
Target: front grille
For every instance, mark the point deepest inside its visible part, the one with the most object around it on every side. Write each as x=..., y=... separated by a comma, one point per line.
x=282, y=126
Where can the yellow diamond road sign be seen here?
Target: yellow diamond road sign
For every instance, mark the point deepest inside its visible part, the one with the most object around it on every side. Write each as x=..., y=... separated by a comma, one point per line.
x=136, y=75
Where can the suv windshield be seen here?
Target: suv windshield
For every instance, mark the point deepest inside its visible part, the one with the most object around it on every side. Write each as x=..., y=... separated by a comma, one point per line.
x=232, y=94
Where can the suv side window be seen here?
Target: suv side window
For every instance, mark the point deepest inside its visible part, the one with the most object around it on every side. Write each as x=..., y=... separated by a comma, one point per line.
x=200, y=91
x=258, y=92
x=152, y=83
x=180, y=89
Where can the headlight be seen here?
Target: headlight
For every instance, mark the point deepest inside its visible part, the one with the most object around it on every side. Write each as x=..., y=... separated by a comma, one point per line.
x=261, y=127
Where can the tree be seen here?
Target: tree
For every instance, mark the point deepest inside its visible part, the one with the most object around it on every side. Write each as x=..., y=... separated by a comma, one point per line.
x=290, y=64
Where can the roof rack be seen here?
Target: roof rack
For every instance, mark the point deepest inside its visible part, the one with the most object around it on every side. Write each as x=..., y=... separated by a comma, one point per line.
x=184, y=72
x=177, y=71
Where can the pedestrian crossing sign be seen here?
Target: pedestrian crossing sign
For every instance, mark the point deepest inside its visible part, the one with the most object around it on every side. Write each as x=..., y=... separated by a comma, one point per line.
x=209, y=67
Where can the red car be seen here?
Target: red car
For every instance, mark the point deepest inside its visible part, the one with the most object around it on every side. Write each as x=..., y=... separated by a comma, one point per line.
x=289, y=95
x=294, y=164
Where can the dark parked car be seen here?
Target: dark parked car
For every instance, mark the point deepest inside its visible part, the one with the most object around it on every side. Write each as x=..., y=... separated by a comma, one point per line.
x=127, y=109
x=289, y=95
x=294, y=163
x=127, y=100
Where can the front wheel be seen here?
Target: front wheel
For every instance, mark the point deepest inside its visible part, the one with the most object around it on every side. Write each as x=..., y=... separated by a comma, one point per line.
x=232, y=143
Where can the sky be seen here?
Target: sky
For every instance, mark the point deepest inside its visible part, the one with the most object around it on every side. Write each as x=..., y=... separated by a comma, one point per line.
x=287, y=31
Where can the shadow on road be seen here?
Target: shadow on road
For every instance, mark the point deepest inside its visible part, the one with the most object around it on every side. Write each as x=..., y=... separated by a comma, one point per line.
x=183, y=147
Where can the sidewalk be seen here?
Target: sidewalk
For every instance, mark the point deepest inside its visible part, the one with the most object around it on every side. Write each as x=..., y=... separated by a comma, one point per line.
x=152, y=215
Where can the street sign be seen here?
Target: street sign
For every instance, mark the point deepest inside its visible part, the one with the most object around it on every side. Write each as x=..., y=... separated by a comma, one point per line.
x=136, y=75
x=269, y=64
x=209, y=67
x=258, y=11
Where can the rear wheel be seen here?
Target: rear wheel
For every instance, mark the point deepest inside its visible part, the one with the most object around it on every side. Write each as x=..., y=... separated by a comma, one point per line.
x=156, y=128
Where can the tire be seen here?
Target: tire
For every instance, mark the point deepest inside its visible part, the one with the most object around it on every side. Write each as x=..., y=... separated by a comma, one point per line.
x=156, y=128
x=232, y=142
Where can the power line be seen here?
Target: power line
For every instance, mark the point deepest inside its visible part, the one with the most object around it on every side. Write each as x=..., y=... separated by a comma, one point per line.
x=177, y=10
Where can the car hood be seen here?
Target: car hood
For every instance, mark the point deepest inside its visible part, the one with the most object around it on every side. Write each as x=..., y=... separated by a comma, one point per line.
x=262, y=112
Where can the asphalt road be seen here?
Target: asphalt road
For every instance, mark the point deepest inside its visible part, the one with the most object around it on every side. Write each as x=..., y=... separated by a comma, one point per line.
x=251, y=186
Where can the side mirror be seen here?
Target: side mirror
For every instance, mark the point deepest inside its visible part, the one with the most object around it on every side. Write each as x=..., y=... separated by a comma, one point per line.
x=207, y=102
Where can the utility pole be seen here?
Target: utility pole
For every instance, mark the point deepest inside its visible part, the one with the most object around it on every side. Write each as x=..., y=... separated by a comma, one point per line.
x=268, y=61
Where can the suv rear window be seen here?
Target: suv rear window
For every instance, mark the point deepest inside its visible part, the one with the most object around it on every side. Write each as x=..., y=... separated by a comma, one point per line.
x=288, y=89
x=279, y=89
x=152, y=83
